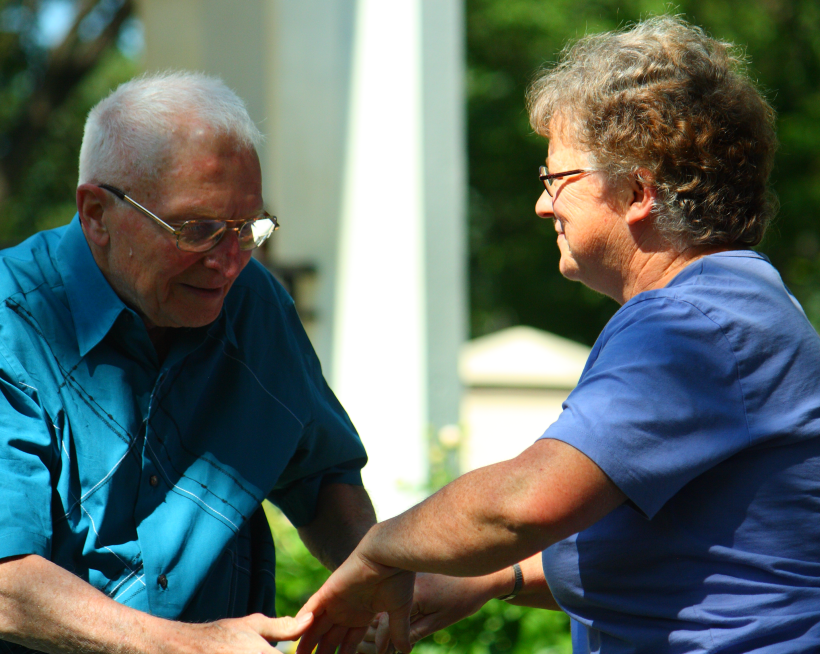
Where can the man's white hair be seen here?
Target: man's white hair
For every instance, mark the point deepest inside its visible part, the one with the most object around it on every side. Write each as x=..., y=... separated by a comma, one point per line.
x=130, y=134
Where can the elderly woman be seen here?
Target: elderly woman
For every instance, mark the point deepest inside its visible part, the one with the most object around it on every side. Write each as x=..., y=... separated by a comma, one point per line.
x=677, y=498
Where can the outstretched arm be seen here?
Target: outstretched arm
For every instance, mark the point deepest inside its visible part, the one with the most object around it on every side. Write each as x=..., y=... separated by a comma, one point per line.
x=46, y=608
x=482, y=522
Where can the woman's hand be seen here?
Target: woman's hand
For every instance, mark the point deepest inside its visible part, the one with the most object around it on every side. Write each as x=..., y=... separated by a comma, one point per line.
x=349, y=600
x=438, y=602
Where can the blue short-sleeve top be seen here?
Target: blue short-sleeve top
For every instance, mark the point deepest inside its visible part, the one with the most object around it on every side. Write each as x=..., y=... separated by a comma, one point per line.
x=701, y=401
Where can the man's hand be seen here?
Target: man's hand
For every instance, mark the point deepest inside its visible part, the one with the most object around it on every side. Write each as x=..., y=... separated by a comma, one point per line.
x=441, y=600
x=252, y=634
x=349, y=600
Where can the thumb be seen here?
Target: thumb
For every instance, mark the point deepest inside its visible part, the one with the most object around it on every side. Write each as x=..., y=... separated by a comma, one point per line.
x=286, y=628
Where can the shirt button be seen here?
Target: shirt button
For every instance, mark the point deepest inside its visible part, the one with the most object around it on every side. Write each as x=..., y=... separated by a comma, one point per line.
x=153, y=480
x=162, y=580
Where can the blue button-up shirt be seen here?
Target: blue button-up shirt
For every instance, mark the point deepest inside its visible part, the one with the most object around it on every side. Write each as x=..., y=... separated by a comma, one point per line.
x=145, y=478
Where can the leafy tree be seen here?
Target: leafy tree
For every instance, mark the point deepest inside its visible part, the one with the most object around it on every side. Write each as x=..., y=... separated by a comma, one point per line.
x=46, y=90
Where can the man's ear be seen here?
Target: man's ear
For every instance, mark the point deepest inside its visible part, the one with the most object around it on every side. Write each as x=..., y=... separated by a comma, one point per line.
x=91, y=204
x=643, y=199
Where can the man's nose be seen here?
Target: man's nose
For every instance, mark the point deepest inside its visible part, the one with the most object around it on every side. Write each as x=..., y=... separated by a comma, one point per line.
x=544, y=205
x=226, y=258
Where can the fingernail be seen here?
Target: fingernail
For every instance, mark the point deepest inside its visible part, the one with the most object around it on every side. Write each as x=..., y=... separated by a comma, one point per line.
x=305, y=618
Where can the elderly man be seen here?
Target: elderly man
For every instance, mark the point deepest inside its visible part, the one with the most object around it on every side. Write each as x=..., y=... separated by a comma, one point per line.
x=155, y=387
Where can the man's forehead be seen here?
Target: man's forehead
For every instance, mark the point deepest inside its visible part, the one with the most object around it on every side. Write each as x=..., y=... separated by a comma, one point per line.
x=202, y=179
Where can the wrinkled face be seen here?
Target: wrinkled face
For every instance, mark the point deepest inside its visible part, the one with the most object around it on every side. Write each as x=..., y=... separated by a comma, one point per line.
x=586, y=215
x=207, y=178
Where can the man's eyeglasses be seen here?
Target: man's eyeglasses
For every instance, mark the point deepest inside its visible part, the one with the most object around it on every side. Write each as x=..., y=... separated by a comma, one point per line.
x=549, y=179
x=202, y=235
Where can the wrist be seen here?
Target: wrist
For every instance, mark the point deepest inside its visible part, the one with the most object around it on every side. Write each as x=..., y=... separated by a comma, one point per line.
x=496, y=584
x=517, y=578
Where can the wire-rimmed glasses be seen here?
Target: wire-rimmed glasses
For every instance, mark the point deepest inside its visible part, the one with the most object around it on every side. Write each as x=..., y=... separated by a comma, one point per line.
x=201, y=235
x=549, y=178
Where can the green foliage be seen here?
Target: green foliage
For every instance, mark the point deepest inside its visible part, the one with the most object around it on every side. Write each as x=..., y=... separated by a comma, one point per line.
x=45, y=93
x=44, y=197
x=513, y=256
x=501, y=628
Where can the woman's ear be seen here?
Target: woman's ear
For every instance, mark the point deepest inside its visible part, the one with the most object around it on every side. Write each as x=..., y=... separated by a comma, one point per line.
x=91, y=203
x=643, y=198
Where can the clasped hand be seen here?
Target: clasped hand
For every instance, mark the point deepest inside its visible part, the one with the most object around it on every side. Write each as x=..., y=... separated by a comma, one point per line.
x=387, y=608
x=347, y=603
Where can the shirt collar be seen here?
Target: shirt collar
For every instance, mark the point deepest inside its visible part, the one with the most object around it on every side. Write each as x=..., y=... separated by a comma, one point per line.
x=94, y=305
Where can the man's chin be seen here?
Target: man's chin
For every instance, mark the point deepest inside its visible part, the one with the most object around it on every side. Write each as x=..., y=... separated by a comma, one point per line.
x=190, y=318
x=200, y=320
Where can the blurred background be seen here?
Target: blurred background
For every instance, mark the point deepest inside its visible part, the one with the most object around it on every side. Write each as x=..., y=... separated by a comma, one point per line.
x=401, y=163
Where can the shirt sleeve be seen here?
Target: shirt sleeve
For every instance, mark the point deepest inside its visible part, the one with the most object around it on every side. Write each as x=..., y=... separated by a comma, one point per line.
x=659, y=402
x=329, y=450
x=25, y=479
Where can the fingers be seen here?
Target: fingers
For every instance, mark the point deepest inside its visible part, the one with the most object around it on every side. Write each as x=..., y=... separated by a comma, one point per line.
x=399, y=628
x=310, y=606
x=366, y=647
x=351, y=640
x=313, y=635
x=368, y=644
x=287, y=628
x=332, y=639
x=425, y=626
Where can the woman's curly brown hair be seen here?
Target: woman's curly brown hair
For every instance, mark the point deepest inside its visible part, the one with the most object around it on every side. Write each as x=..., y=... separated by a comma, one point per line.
x=663, y=97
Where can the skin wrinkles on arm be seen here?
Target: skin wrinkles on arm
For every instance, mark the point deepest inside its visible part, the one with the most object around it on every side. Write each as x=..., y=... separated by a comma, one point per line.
x=44, y=607
x=344, y=514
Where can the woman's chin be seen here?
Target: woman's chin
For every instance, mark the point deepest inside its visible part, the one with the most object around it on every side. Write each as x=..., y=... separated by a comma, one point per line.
x=568, y=268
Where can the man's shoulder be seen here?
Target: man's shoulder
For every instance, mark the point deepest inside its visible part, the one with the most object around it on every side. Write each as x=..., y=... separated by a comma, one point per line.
x=34, y=314
x=30, y=265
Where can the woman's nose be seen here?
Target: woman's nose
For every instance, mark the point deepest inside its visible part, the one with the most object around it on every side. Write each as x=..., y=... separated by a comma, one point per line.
x=544, y=205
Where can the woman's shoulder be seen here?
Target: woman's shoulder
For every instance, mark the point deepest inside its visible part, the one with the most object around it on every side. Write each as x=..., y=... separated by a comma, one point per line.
x=740, y=291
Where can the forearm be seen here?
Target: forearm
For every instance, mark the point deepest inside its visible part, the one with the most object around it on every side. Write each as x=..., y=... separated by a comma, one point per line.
x=344, y=515
x=534, y=591
x=44, y=607
x=496, y=516
x=440, y=600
